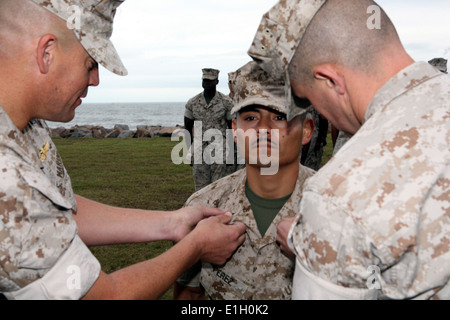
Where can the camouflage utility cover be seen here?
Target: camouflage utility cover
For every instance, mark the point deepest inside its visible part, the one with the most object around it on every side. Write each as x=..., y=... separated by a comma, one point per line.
x=278, y=37
x=38, y=235
x=258, y=269
x=378, y=214
x=280, y=32
x=210, y=74
x=254, y=86
x=92, y=23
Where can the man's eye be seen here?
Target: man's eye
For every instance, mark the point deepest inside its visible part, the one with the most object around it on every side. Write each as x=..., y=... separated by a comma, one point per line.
x=281, y=118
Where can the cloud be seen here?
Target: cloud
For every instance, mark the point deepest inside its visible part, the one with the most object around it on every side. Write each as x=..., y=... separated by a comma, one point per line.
x=423, y=26
x=165, y=44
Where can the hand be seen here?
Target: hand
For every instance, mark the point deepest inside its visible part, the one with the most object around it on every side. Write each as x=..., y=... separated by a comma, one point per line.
x=217, y=240
x=283, y=231
x=187, y=218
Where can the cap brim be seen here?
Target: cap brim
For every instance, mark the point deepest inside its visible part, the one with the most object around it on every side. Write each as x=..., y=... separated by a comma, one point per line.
x=257, y=101
x=293, y=109
x=104, y=53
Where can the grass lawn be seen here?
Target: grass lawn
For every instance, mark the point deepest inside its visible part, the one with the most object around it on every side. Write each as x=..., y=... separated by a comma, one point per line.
x=134, y=173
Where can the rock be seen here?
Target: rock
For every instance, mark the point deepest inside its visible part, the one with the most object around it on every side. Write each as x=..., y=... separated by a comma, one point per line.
x=119, y=131
x=113, y=134
x=143, y=132
x=123, y=127
x=126, y=134
x=99, y=132
x=167, y=131
x=58, y=132
x=80, y=132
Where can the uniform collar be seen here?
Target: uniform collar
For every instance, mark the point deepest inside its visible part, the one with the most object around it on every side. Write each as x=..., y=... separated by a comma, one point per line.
x=12, y=138
x=244, y=213
x=403, y=81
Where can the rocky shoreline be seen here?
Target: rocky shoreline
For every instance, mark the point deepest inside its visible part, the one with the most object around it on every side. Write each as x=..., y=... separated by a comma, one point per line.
x=119, y=131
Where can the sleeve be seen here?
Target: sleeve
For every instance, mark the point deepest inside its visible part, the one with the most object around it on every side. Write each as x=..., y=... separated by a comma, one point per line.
x=188, y=112
x=69, y=279
x=41, y=255
x=328, y=248
x=191, y=277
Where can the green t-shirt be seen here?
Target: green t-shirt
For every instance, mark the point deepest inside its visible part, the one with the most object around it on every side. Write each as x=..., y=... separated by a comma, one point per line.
x=264, y=210
x=208, y=100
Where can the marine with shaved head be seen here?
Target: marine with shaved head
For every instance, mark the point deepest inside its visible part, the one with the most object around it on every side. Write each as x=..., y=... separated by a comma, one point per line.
x=47, y=64
x=375, y=221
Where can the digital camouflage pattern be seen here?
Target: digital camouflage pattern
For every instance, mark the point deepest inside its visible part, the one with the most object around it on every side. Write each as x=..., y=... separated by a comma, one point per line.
x=36, y=202
x=92, y=23
x=214, y=115
x=210, y=74
x=258, y=269
x=277, y=38
x=280, y=32
x=254, y=86
x=383, y=203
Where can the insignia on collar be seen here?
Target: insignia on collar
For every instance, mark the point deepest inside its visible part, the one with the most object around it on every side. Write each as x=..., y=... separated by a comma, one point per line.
x=44, y=151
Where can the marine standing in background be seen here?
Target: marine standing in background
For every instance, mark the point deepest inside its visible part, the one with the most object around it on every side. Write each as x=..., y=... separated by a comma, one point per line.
x=210, y=109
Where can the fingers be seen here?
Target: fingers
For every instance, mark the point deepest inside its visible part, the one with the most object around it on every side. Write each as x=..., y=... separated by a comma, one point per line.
x=219, y=238
x=211, y=212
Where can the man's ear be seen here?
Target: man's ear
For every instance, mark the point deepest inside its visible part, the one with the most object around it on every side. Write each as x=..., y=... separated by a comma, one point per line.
x=45, y=52
x=308, y=130
x=330, y=73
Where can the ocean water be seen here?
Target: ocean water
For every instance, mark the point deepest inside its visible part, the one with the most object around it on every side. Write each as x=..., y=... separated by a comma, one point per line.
x=166, y=114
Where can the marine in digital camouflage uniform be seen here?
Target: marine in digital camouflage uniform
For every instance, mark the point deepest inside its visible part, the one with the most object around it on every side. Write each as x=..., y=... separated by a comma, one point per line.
x=213, y=114
x=34, y=181
x=36, y=196
x=49, y=55
x=258, y=269
x=375, y=221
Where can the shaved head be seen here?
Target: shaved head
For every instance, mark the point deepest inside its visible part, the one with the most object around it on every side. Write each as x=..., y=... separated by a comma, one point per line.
x=22, y=21
x=339, y=34
x=44, y=69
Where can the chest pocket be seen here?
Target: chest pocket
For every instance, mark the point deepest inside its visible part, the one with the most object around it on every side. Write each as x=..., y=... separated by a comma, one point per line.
x=215, y=113
x=49, y=227
x=40, y=182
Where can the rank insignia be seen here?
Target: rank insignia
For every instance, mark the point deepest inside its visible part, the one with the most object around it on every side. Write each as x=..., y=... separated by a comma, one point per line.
x=44, y=151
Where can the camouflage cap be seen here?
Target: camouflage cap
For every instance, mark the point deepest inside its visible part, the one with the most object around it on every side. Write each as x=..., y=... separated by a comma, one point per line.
x=92, y=23
x=254, y=86
x=210, y=74
x=279, y=35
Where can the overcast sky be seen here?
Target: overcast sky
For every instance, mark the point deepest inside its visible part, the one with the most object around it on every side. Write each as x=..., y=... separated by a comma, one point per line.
x=165, y=44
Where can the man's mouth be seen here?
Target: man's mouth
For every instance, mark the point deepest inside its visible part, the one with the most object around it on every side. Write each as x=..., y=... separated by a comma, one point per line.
x=264, y=143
